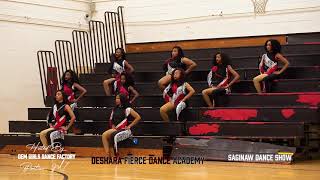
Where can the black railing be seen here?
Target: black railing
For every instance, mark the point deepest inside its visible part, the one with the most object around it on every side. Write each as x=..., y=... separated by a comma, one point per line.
x=98, y=42
x=115, y=28
x=84, y=62
x=48, y=73
x=64, y=56
x=85, y=50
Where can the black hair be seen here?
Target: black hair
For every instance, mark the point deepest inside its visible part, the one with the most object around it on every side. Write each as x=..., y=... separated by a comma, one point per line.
x=119, y=110
x=114, y=59
x=124, y=101
x=180, y=52
x=129, y=79
x=275, y=46
x=74, y=78
x=50, y=116
x=65, y=97
x=224, y=58
x=123, y=53
x=182, y=76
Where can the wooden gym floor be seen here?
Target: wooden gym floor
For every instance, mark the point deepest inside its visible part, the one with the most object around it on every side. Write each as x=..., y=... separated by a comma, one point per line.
x=81, y=168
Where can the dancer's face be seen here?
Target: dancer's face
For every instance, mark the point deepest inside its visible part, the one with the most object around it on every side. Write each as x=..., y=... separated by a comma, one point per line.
x=67, y=77
x=118, y=53
x=269, y=46
x=59, y=96
x=177, y=75
x=123, y=79
x=174, y=52
x=118, y=102
x=218, y=59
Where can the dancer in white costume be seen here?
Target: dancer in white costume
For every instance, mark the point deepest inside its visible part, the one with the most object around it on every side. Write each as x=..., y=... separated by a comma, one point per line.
x=176, y=94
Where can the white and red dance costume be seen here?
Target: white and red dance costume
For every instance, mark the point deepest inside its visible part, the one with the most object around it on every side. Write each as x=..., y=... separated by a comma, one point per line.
x=118, y=118
x=268, y=65
x=219, y=76
x=119, y=88
x=175, y=93
x=117, y=67
x=70, y=91
x=57, y=118
x=171, y=64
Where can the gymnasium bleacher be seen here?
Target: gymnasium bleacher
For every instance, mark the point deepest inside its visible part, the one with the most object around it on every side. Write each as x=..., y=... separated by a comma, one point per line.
x=287, y=115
